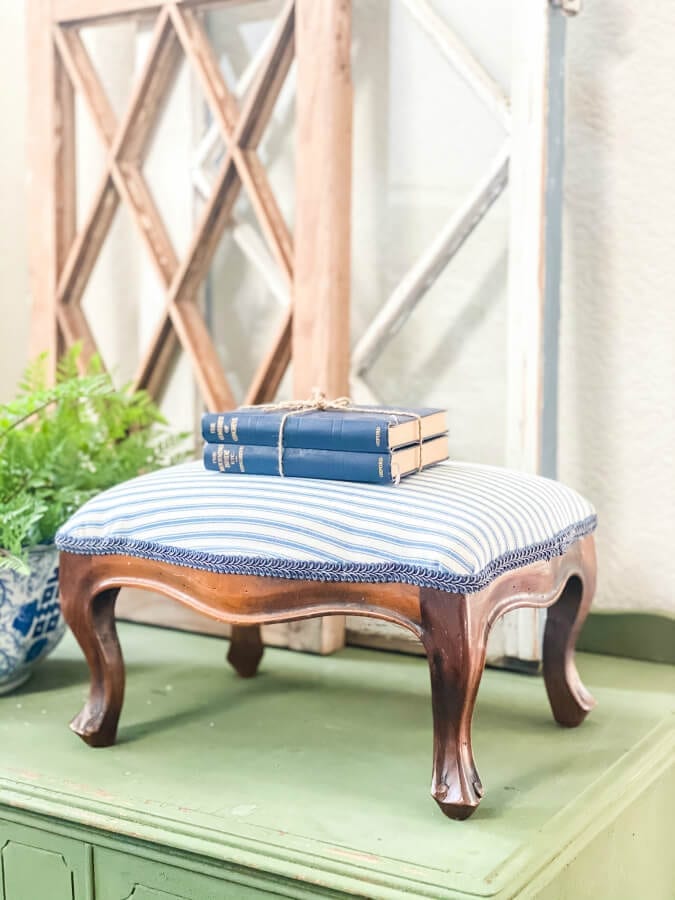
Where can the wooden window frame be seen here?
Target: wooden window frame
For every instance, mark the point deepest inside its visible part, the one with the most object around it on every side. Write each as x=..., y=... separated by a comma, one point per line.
x=314, y=266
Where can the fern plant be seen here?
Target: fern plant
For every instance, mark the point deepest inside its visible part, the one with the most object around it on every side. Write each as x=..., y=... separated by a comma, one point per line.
x=62, y=443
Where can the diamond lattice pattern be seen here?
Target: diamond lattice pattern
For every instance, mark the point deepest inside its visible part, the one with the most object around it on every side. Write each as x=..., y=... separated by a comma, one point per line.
x=179, y=31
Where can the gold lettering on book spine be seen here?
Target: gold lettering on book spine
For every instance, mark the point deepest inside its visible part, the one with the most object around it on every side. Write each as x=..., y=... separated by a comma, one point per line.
x=241, y=459
x=380, y=466
x=221, y=428
x=378, y=436
x=224, y=458
x=233, y=429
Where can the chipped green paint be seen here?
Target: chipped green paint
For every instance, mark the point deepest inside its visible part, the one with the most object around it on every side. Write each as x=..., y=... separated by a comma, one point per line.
x=311, y=780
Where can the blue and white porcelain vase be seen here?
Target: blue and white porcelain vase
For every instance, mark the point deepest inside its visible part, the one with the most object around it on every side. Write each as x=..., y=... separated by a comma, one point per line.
x=31, y=624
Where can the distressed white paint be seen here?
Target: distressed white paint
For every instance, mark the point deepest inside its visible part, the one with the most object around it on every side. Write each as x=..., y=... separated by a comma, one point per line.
x=458, y=54
x=531, y=206
x=426, y=270
x=617, y=360
x=526, y=242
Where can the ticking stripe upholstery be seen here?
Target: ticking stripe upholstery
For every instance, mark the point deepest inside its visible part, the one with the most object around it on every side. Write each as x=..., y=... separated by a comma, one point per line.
x=454, y=527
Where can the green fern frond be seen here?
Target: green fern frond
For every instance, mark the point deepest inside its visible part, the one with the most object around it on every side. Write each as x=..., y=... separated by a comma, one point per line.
x=61, y=444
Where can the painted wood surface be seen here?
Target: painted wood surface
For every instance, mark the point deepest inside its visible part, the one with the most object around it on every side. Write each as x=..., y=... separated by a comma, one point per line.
x=647, y=636
x=220, y=785
x=535, y=236
x=535, y=179
x=460, y=57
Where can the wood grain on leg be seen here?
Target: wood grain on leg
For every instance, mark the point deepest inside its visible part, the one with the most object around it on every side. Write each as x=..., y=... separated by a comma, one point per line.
x=246, y=650
x=454, y=634
x=569, y=699
x=91, y=617
x=452, y=627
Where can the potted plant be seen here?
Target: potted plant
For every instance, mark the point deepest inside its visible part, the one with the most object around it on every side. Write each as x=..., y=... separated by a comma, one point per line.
x=59, y=445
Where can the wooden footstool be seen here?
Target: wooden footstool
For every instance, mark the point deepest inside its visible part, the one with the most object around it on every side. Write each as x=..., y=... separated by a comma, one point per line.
x=444, y=554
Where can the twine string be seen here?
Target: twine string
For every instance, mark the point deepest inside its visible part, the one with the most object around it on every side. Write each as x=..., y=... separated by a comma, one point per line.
x=319, y=402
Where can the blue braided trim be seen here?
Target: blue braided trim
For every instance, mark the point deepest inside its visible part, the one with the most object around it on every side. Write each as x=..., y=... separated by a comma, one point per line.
x=374, y=573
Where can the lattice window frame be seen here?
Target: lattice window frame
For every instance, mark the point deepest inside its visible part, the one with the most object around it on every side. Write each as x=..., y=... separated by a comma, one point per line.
x=314, y=266
x=530, y=160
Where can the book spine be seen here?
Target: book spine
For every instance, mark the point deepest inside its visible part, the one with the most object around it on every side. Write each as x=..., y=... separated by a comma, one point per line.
x=323, y=431
x=297, y=463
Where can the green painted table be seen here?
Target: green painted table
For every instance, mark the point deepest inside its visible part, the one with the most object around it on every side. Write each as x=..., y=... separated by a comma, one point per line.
x=311, y=781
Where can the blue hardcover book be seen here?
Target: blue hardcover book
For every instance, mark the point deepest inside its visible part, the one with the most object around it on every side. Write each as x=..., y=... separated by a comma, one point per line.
x=337, y=465
x=323, y=429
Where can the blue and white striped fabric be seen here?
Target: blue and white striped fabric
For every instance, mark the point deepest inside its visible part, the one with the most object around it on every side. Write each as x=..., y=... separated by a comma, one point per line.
x=455, y=526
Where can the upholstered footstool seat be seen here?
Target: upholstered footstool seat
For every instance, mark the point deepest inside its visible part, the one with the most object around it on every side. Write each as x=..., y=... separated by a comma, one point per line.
x=444, y=554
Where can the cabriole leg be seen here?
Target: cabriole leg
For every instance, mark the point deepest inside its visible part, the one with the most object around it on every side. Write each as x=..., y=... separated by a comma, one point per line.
x=569, y=699
x=90, y=613
x=246, y=650
x=92, y=621
x=454, y=634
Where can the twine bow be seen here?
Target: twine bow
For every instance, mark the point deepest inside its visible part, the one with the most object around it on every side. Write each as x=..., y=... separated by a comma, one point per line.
x=319, y=402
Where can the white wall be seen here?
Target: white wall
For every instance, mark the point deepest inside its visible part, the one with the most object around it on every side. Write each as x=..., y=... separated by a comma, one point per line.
x=618, y=328
x=617, y=436
x=14, y=302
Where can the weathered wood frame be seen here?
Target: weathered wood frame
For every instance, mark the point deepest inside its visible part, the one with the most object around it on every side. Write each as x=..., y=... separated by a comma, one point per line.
x=453, y=629
x=313, y=268
x=177, y=31
x=531, y=161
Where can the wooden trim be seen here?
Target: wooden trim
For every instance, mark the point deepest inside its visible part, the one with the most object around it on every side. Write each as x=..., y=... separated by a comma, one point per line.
x=127, y=142
x=146, y=608
x=242, y=131
x=210, y=140
x=88, y=243
x=273, y=367
x=89, y=12
x=323, y=209
x=423, y=273
x=84, y=77
x=452, y=627
x=51, y=183
x=323, y=206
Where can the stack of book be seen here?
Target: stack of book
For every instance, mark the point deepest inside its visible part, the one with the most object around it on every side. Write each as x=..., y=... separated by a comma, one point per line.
x=350, y=444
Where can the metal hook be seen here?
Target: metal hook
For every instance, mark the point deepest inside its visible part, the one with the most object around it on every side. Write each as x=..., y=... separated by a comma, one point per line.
x=569, y=7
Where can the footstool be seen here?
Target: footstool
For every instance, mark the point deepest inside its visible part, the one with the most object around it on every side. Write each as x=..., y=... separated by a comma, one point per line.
x=444, y=554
